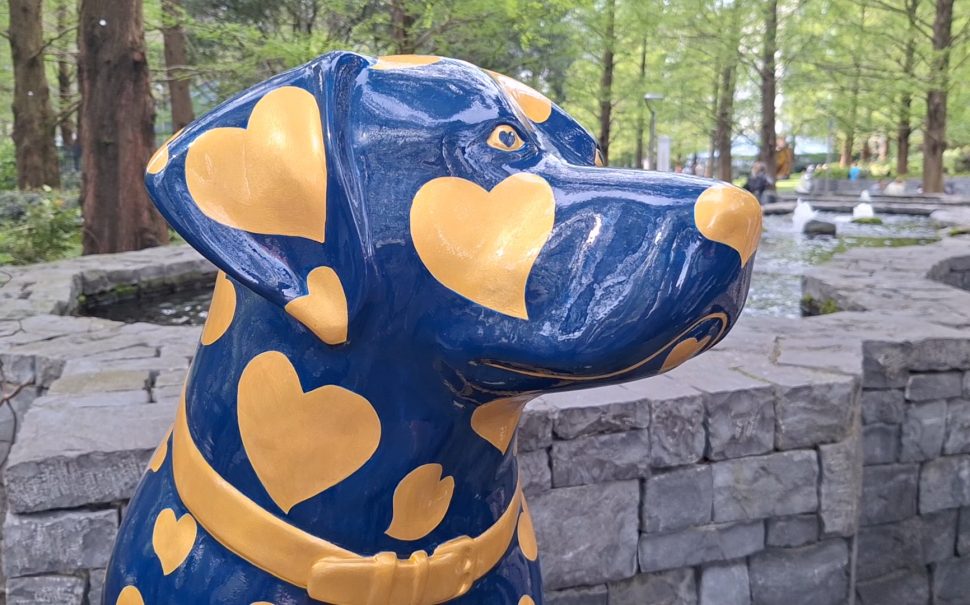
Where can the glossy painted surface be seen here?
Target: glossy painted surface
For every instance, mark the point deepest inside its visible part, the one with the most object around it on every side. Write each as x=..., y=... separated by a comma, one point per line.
x=458, y=303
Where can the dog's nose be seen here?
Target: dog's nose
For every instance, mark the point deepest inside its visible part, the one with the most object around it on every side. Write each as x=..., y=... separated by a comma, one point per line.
x=729, y=215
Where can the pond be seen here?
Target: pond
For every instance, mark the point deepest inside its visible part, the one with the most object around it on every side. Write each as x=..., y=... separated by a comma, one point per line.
x=776, y=287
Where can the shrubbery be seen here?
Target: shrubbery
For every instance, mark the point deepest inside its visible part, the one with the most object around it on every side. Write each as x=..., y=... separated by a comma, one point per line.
x=38, y=226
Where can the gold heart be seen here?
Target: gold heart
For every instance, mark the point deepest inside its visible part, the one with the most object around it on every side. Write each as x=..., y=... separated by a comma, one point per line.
x=535, y=105
x=527, y=534
x=482, y=244
x=683, y=351
x=497, y=420
x=270, y=177
x=324, y=308
x=421, y=500
x=173, y=539
x=301, y=444
x=729, y=215
x=389, y=62
x=130, y=596
x=221, y=310
x=158, y=458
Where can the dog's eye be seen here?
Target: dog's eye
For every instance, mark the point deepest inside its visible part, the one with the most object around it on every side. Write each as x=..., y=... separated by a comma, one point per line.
x=505, y=138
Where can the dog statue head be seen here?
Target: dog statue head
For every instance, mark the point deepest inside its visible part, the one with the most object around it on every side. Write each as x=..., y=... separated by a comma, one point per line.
x=423, y=209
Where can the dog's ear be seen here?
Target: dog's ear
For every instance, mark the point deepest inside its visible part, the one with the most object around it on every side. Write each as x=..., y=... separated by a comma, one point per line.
x=260, y=187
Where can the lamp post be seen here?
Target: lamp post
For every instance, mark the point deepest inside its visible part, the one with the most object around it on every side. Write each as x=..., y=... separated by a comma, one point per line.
x=651, y=147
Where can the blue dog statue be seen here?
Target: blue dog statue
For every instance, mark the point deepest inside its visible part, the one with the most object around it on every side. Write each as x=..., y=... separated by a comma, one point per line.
x=410, y=248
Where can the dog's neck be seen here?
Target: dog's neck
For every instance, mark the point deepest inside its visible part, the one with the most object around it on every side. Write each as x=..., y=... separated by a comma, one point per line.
x=420, y=423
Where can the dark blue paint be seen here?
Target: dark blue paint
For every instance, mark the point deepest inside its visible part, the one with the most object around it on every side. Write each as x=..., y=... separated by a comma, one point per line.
x=624, y=272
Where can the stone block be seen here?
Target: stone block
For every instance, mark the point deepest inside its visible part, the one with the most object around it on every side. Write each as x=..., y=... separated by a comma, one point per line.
x=889, y=493
x=811, y=575
x=740, y=422
x=676, y=587
x=45, y=590
x=957, y=439
x=939, y=354
x=933, y=386
x=880, y=443
x=883, y=549
x=104, y=381
x=951, y=582
x=74, y=457
x=907, y=587
x=789, y=532
x=697, y=545
x=677, y=434
x=725, y=584
x=884, y=364
x=599, y=458
x=60, y=542
x=966, y=384
x=815, y=413
x=677, y=499
x=785, y=483
x=588, y=534
x=96, y=586
x=535, y=427
x=883, y=405
x=963, y=533
x=587, y=595
x=609, y=409
x=535, y=472
x=923, y=431
x=939, y=535
x=944, y=483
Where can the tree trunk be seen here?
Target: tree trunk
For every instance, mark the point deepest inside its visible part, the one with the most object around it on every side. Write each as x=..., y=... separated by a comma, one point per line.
x=116, y=128
x=606, y=81
x=176, y=59
x=641, y=103
x=769, y=84
x=64, y=79
x=904, y=128
x=934, y=139
x=402, y=23
x=725, y=122
x=845, y=159
x=33, y=120
x=712, y=142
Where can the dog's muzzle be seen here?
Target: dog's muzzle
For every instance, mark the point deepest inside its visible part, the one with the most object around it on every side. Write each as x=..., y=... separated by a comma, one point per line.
x=328, y=572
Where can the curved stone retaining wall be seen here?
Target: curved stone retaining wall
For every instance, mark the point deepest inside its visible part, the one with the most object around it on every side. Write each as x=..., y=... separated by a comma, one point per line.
x=813, y=461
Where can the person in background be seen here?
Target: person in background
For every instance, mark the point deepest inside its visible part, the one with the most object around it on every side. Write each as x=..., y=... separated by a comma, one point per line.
x=855, y=172
x=758, y=180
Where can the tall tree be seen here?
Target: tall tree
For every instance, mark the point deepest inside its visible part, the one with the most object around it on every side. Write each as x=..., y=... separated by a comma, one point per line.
x=934, y=138
x=608, y=65
x=34, y=122
x=117, y=128
x=904, y=128
x=769, y=88
x=176, y=60
x=65, y=77
x=640, y=108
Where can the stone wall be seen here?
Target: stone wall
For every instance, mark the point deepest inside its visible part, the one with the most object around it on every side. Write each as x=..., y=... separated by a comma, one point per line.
x=813, y=461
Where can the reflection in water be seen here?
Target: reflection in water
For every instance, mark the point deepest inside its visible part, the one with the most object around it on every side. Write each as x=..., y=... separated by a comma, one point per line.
x=785, y=254
x=776, y=287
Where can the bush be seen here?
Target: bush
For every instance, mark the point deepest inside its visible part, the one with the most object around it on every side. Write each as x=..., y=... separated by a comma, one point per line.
x=961, y=163
x=47, y=230
x=8, y=164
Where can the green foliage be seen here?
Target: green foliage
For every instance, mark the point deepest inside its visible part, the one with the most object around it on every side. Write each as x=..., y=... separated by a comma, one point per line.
x=8, y=164
x=49, y=229
x=961, y=161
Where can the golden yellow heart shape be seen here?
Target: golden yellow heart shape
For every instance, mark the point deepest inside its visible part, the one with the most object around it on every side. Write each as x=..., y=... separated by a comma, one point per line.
x=730, y=215
x=683, y=351
x=130, y=595
x=324, y=309
x=270, y=177
x=172, y=539
x=535, y=105
x=482, y=244
x=497, y=420
x=221, y=310
x=301, y=444
x=421, y=500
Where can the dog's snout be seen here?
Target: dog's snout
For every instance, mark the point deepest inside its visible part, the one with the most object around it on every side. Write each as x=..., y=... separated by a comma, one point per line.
x=731, y=216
